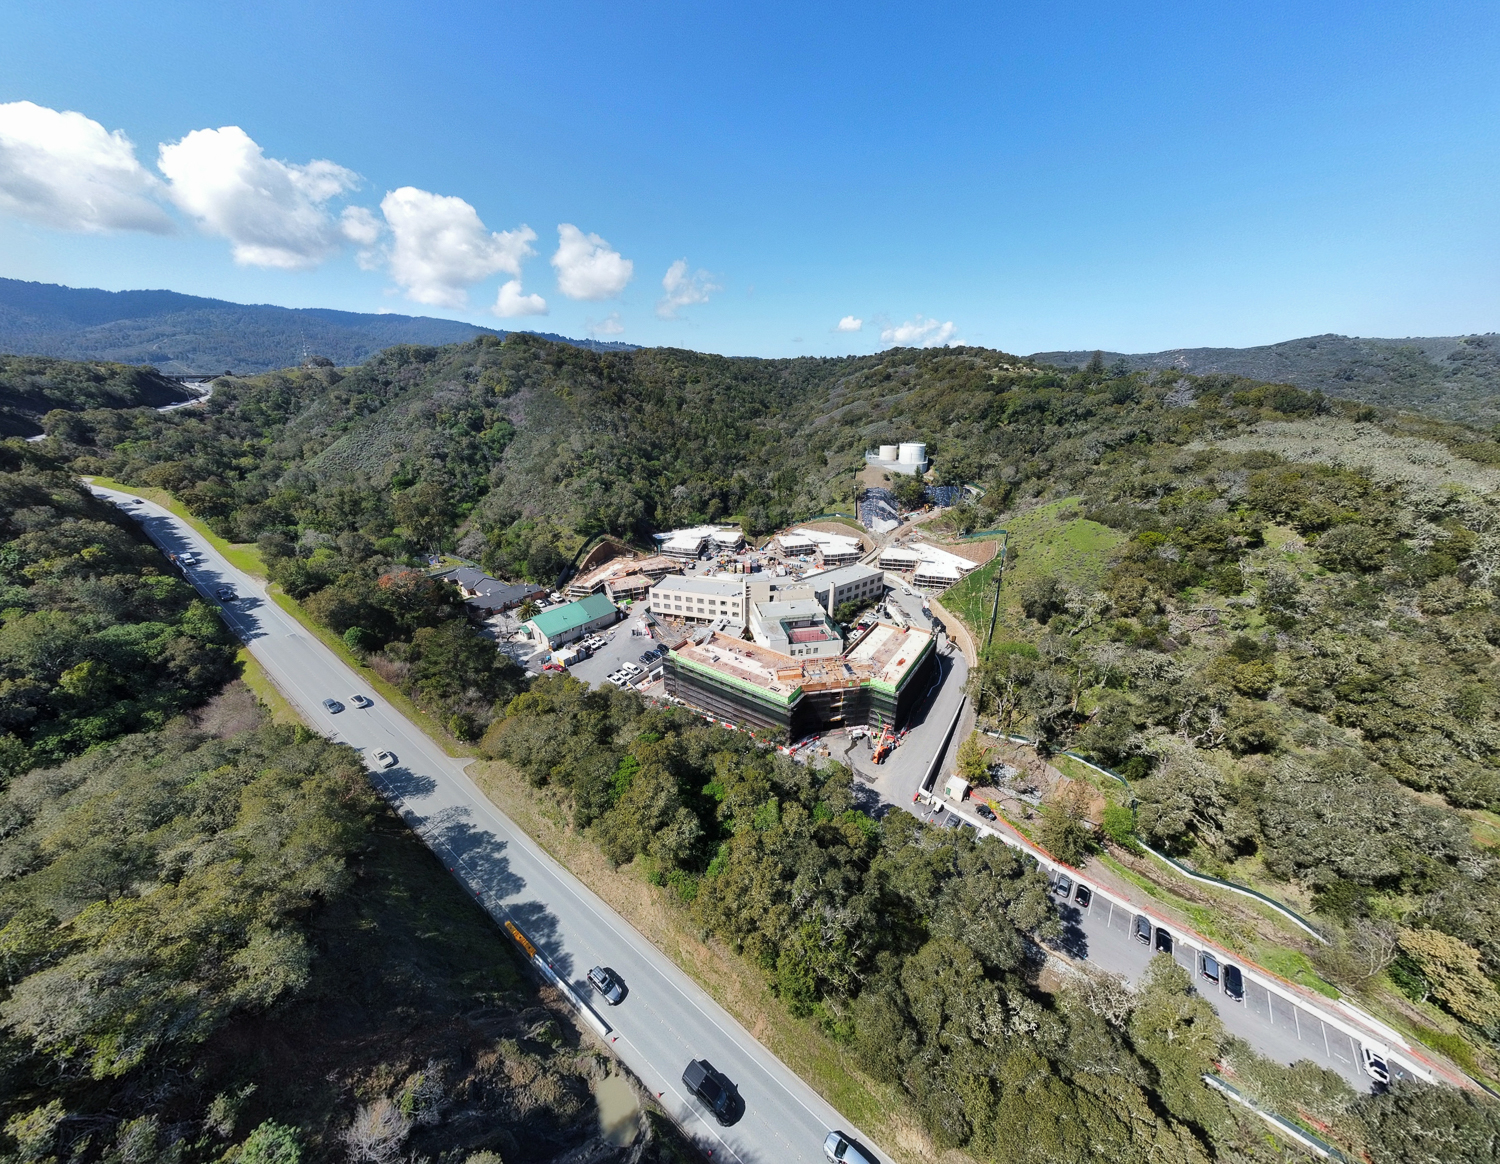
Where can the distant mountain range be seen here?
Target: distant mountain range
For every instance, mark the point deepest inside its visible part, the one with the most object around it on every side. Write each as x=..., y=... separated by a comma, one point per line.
x=186, y=334
x=1455, y=377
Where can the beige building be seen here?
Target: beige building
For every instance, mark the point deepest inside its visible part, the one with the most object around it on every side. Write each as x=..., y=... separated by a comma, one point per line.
x=700, y=600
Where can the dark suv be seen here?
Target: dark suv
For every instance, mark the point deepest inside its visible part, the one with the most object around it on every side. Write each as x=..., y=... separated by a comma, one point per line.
x=702, y=1080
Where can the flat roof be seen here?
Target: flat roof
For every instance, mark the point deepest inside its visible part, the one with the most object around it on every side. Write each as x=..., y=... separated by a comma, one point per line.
x=842, y=575
x=885, y=655
x=705, y=586
x=889, y=651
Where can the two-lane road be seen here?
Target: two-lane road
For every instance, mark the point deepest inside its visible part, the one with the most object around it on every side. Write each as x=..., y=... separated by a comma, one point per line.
x=665, y=1020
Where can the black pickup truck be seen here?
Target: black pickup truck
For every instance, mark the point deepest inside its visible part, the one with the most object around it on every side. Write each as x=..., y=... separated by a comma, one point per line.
x=702, y=1080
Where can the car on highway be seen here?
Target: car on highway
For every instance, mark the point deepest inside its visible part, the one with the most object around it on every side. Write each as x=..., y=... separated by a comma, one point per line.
x=1163, y=941
x=1208, y=966
x=607, y=983
x=1374, y=1064
x=840, y=1149
x=704, y=1081
x=1234, y=984
x=1083, y=896
x=1062, y=886
x=985, y=811
x=225, y=594
x=333, y=706
x=385, y=759
x=361, y=701
x=1142, y=929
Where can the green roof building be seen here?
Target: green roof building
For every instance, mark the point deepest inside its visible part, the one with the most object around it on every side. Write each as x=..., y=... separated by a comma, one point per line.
x=572, y=620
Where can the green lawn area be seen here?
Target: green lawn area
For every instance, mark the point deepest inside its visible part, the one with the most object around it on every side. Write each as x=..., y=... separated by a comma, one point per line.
x=276, y=704
x=1052, y=539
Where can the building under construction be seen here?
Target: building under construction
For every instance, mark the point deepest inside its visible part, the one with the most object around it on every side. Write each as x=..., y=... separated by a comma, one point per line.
x=876, y=681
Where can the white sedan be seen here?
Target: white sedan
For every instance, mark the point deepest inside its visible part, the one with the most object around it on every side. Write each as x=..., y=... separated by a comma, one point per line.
x=385, y=759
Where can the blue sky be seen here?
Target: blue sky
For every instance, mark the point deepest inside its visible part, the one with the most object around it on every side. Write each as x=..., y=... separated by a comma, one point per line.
x=1129, y=176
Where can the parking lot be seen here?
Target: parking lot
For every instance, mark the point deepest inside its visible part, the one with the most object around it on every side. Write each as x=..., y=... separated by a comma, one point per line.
x=625, y=642
x=1274, y=1025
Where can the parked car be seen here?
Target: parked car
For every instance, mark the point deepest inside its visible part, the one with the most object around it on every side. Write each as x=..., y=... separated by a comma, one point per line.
x=385, y=759
x=1163, y=941
x=1208, y=966
x=630, y=669
x=1142, y=929
x=702, y=1080
x=607, y=983
x=1375, y=1065
x=1062, y=886
x=361, y=701
x=985, y=811
x=1234, y=984
x=1083, y=896
x=333, y=706
x=840, y=1149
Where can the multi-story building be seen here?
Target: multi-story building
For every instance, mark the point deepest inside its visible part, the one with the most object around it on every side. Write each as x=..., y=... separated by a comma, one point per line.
x=790, y=621
x=700, y=600
x=878, y=681
x=856, y=583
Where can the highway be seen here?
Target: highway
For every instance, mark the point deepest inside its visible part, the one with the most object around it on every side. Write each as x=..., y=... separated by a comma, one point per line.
x=665, y=1020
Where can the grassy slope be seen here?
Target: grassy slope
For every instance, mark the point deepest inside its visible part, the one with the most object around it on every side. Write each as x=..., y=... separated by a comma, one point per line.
x=1051, y=539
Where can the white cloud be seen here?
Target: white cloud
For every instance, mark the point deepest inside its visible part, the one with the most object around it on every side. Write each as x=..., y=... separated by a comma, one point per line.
x=586, y=267
x=919, y=333
x=440, y=248
x=609, y=325
x=511, y=303
x=273, y=213
x=683, y=290
x=849, y=323
x=67, y=171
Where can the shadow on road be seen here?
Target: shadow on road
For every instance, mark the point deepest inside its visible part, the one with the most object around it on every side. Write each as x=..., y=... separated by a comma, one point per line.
x=1072, y=941
x=405, y=785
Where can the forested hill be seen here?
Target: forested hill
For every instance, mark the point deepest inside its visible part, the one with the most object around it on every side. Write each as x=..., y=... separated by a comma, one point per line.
x=32, y=386
x=1277, y=613
x=1455, y=377
x=183, y=334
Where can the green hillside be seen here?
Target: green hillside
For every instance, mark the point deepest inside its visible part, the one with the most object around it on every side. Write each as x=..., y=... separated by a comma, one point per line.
x=1275, y=611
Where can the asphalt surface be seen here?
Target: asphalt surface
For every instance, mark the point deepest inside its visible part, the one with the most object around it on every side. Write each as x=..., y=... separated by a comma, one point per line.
x=665, y=1020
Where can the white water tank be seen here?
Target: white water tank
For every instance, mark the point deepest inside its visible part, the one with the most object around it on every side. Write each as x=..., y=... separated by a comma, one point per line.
x=888, y=452
x=913, y=453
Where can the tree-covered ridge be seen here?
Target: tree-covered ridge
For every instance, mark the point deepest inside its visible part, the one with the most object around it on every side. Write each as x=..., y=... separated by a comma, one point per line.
x=97, y=636
x=1454, y=377
x=1293, y=662
x=154, y=888
x=33, y=386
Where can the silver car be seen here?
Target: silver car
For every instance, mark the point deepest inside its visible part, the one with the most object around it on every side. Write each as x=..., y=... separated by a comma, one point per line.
x=840, y=1149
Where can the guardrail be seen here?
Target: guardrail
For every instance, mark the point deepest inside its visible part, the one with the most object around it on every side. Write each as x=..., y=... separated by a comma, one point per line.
x=1243, y=890
x=1298, y=1135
